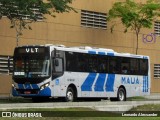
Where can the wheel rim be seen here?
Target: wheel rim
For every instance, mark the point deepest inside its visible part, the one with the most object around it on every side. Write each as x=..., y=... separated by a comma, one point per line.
x=121, y=95
x=69, y=96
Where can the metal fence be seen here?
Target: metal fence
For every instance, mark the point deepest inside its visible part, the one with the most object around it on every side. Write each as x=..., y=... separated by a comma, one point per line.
x=6, y=64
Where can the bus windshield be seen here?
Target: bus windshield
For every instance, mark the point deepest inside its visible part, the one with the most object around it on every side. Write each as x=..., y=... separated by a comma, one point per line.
x=31, y=66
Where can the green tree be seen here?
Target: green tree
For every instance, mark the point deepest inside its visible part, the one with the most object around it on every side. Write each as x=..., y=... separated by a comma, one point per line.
x=18, y=10
x=135, y=15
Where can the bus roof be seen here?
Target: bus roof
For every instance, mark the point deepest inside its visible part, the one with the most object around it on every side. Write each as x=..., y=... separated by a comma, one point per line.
x=89, y=50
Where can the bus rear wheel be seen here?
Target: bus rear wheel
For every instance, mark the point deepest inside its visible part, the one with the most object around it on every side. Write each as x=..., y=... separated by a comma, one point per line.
x=70, y=96
x=121, y=95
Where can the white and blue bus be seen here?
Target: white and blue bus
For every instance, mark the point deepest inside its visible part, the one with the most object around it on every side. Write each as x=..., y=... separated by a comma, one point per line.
x=79, y=72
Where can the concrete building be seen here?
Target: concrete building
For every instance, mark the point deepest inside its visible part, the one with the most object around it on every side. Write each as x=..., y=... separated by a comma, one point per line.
x=88, y=27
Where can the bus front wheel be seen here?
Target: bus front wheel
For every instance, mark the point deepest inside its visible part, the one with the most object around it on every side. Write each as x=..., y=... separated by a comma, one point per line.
x=70, y=95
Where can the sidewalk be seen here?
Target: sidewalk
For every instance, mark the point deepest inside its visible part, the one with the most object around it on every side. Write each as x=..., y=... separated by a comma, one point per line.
x=105, y=105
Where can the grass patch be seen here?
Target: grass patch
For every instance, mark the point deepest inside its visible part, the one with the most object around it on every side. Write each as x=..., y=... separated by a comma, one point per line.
x=149, y=107
x=137, y=98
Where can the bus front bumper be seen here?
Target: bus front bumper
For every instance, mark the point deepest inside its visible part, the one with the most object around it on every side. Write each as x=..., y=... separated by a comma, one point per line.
x=46, y=92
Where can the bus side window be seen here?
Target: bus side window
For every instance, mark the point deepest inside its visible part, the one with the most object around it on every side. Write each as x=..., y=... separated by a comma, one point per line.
x=134, y=66
x=125, y=65
x=143, y=66
x=114, y=66
x=102, y=66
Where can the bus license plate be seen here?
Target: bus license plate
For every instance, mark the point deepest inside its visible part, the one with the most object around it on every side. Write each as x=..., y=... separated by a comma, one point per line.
x=27, y=92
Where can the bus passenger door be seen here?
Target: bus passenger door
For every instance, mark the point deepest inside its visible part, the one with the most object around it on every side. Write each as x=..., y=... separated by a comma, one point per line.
x=57, y=67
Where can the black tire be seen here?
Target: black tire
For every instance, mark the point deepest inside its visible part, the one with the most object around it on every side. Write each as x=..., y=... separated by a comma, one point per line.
x=70, y=95
x=121, y=95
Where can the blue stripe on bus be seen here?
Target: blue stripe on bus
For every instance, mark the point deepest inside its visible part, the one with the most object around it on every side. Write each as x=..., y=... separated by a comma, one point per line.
x=87, y=85
x=92, y=52
x=14, y=92
x=45, y=92
x=110, y=83
x=20, y=86
x=34, y=86
x=101, y=53
x=27, y=86
x=100, y=82
x=110, y=54
x=145, y=84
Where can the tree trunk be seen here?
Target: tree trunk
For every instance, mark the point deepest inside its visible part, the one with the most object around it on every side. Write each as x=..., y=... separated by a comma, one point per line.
x=17, y=38
x=137, y=44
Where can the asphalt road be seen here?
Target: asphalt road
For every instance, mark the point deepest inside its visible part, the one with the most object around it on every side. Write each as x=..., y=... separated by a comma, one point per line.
x=104, y=105
x=101, y=105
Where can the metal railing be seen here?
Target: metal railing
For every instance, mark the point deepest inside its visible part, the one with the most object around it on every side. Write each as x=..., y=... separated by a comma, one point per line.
x=6, y=64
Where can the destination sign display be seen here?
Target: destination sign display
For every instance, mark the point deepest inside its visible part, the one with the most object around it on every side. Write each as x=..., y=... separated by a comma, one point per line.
x=31, y=50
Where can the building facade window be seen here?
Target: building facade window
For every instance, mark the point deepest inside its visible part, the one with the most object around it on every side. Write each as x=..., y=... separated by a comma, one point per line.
x=156, y=70
x=157, y=28
x=93, y=19
x=6, y=64
x=36, y=12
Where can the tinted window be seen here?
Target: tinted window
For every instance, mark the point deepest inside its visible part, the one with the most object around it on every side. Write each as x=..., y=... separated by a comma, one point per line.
x=82, y=62
x=143, y=66
x=134, y=63
x=125, y=65
x=114, y=65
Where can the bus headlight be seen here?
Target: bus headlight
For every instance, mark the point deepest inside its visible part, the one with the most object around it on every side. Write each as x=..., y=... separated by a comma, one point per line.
x=44, y=86
x=13, y=85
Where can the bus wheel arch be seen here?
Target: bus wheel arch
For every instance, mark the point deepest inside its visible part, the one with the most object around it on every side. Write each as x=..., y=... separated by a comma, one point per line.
x=71, y=93
x=121, y=94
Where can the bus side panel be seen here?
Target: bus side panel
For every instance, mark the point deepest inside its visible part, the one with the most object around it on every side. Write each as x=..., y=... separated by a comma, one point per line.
x=87, y=84
x=101, y=85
